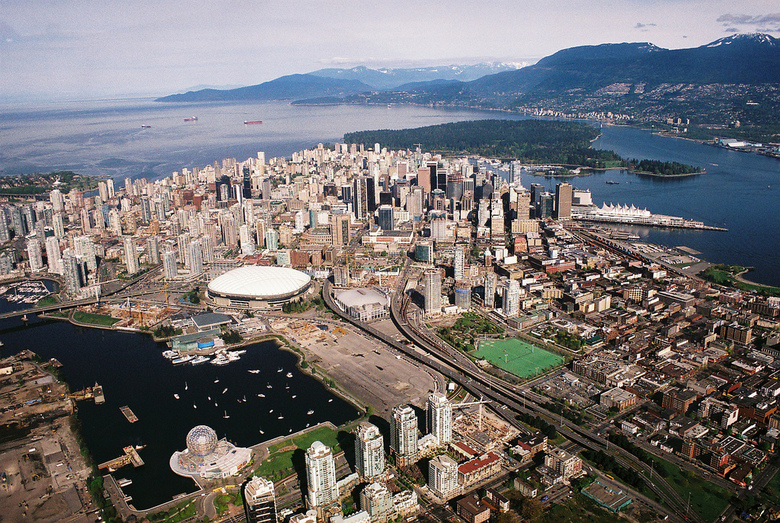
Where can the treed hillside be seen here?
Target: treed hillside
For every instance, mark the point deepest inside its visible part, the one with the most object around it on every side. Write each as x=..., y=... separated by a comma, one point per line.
x=532, y=141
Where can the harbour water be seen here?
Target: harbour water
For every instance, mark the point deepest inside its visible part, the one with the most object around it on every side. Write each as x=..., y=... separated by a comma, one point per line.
x=133, y=372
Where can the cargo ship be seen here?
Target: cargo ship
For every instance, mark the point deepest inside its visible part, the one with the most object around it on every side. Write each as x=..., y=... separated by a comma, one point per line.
x=146, y=126
x=191, y=119
x=252, y=122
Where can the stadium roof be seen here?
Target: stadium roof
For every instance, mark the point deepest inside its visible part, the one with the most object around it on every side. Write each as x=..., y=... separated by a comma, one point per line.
x=358, y=297
x=258, y=282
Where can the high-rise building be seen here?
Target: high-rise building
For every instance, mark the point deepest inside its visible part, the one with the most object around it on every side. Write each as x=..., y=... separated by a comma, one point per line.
x=72, y=273
x=339, y=228
x=272, y=240
x=511, y=303
x=247, y=185
x=169, y=264
x=260, y=501
x=4, y=232
x=53, y=256
x=323, y=490
x=34, y=254
x=246, y=235
x=195, y=256
x=490, y=289
x=85, y=249
x=432, y=290
x=385, y=218
x=57, y=201
x=153, y=250
x=545, y=208
x=131, y=257
x=369, y=451
x=459, y=263
x=377, y=501
x=443, y=475
x=439, y=417
x=563, y=198
x=403, y=434
x=146, y=210
x=463, y=295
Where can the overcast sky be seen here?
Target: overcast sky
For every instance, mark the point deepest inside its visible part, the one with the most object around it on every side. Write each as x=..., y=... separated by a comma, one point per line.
x=87, y=48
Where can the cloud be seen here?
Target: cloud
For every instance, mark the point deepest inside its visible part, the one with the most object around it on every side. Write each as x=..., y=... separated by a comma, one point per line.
x=731, y=30
x=730, y=20
x=640, y=25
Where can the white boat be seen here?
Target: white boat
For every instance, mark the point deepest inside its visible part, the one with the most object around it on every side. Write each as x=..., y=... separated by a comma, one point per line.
x=232, y=356
x=238, y=352
x=268, y=386
x=199, y=360
x=289, y=374
x=176, y=396
x=271, y=411
x=330, y=400
x=244, y=399
x=225, y=390
x=280, y=369
x=194, y=406
x=124, y=482
x=294, y=396
x=310, y=412
x=280, y=417
x=183, y=359
x=216, y=380
x=220, y=360
x=254, y=371
x=261, y=431
x=170, y=354
x=261, y=395
x=226, y=415
x=185, y=383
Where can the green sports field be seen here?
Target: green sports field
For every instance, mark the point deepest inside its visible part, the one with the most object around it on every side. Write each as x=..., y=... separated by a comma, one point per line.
x=517, y=356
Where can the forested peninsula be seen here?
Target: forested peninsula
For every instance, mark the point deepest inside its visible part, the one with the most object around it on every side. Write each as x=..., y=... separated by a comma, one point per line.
x=538, y=142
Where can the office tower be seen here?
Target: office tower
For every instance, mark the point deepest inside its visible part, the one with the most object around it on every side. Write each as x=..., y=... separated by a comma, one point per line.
x=271, y=240
x=320, y=476
x=377, y=501
x=439, y=417
x=246, y=190
x=339, y=228
x=84, y=248
x=259, y=501
x=371, y=194
x=455, y=187
x=403, y=434
x=266, y=189
x=5, y=235
x=146, y=210
x=523, y=205
x=563, y=197
x=385, y=218
x=247, y=240
x=490, y=289
x=514, y=172
x=182, y=247
x=17, y=223
x=346, y=193
x=53, y=256
x=153, y=250
x=169, y=264
x=57, y=200
x=229, y=230
x=131, y=258
x=459, y=263
x=545, y=208
x=415, y=203
x=369, y=451
x=483, y=213
x=443, y=475
x=432, y=290
x=511, y=304
x=423, y=252
x=110, y=188
x=34, y=254
x=424, y=179
x=196, y=257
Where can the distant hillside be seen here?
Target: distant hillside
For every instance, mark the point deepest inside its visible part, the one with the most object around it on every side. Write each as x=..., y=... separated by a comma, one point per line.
x=389, y=78
x=734, y=78
x=535, y=141
x=289, y=87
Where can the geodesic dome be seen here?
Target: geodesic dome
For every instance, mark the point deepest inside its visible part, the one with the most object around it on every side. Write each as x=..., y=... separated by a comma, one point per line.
x=201, y=440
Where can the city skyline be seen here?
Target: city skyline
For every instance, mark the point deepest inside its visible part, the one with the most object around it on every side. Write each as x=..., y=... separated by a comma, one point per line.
x=75, y=49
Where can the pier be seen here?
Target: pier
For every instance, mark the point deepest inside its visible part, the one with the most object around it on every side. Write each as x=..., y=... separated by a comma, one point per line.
x=130, y=456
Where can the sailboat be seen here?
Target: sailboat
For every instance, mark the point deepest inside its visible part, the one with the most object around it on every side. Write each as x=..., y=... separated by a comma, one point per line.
x=176, y=396
x=185, y=386
x=226, y=416
x=194, y=406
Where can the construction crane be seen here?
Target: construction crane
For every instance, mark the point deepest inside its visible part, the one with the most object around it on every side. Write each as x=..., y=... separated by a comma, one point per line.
x=481, y=404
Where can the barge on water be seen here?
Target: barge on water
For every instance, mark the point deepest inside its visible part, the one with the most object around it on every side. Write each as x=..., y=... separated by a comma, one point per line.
x=131, y=417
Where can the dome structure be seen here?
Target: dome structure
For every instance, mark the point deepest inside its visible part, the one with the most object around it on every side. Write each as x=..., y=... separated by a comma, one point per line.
x=201, y=441
x=258, y=286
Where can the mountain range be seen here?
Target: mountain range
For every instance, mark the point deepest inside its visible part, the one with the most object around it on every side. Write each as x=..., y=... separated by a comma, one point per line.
x=736, y=77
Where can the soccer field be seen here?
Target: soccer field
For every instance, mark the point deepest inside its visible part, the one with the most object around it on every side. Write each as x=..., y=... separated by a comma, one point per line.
x=521, y=358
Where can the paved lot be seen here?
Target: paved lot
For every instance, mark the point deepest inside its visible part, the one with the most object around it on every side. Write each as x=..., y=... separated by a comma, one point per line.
x=367, y=369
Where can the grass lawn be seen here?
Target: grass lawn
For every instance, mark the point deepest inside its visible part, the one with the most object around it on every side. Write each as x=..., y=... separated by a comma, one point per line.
x=47, y=300
x=180, y=512
x=281, y=463
x=95, y=319
x=707, y=500
x=580, y=509
x=519, y=357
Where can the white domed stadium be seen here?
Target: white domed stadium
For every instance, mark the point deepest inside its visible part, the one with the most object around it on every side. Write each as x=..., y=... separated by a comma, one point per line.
x=258, y=287
x=209, y=457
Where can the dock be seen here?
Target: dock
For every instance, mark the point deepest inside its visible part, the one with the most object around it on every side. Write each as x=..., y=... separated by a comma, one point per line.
x=130, y=457
x=131, y=417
